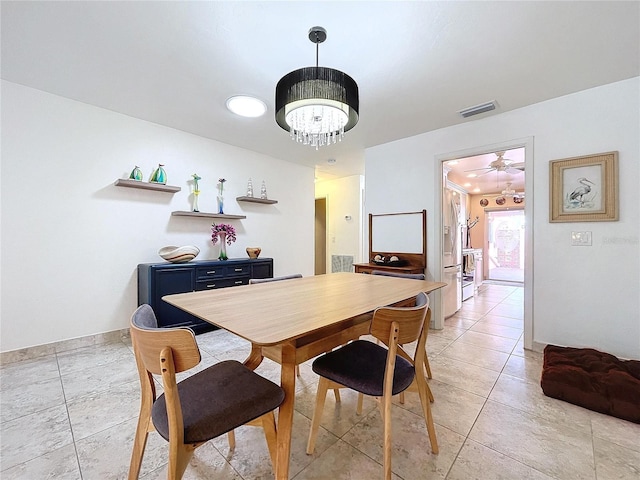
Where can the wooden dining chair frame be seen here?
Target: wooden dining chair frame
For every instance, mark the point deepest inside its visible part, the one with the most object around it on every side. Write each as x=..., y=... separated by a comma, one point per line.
x=165, y=352
x=393, y=326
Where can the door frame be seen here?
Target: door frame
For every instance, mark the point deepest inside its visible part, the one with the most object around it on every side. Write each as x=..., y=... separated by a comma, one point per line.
x=528, y=144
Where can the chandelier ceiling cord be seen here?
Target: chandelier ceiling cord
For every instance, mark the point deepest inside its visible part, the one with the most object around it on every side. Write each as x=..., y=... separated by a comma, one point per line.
x=317, y=105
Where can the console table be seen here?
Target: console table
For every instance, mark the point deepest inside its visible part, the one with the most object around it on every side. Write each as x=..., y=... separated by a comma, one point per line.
x=402, y=235
x=156, y=280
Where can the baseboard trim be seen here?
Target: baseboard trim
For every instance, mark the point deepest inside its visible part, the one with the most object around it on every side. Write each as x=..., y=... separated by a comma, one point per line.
x=37, y=351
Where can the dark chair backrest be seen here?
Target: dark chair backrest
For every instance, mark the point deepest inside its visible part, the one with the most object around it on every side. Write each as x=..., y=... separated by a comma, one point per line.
x=409, y=321
x=274, y=279
x=149, y=341
x=414, y=276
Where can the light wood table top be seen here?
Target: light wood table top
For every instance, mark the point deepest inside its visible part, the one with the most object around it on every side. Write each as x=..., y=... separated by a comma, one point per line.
x=291, y=321
x=274, y=312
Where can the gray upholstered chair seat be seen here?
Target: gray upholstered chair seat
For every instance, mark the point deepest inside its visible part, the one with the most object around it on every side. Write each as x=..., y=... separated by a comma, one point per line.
x=221, y=398
x=360, y=365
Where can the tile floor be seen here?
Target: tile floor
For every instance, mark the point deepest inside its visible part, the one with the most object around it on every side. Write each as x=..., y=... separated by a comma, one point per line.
x=72, y=415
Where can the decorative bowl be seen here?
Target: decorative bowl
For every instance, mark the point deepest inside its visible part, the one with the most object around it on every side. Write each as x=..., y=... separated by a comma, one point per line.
x=175, y=254
x=253, y=252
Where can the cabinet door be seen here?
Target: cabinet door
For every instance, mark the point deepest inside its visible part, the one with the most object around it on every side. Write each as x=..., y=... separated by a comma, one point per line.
x=169, y=281
x=262, y=270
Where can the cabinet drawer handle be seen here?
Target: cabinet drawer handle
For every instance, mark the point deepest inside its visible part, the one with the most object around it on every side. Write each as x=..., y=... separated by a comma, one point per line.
x=238, y=282
x=211, y=272
x=213, y=285
x=238, y=269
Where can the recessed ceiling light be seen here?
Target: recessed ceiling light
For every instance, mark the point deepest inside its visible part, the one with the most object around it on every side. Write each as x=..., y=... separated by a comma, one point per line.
x=467, y=184
x=476, y=190
x=331, y=161
x=246, y=106
x=472, y=175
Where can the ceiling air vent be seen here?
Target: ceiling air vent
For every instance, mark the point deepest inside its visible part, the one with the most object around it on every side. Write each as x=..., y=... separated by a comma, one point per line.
x=484, y=107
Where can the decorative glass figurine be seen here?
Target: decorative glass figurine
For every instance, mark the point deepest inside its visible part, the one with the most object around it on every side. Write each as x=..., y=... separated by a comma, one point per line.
x=220, y=197
x=136, y=174
x=196, y=191
x=263, y=191
x=159, y=175
x=250, y=188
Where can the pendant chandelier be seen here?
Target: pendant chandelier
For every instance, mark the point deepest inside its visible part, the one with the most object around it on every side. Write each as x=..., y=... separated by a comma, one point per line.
x=317, y=105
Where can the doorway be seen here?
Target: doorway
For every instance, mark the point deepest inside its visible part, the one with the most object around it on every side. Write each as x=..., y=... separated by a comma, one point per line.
x=477, y=209
x=504, y=246
x=320, y=231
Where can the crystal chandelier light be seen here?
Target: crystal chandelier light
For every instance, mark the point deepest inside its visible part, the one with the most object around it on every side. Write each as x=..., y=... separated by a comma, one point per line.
x=317, y=105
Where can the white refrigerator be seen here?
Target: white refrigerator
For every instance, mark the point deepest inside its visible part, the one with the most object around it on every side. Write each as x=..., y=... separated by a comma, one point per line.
x=452, y=260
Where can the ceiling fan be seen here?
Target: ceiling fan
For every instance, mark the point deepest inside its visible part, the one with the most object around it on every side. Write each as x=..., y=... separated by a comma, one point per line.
x=507, y=192
x=501, y=164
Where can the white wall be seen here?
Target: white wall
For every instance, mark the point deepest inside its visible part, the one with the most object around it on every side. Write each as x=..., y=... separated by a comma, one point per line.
x=344, y=198
x=582, y=296
x=71, y=240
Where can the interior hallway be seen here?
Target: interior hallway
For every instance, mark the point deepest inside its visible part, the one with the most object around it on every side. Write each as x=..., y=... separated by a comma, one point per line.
x=71, y=415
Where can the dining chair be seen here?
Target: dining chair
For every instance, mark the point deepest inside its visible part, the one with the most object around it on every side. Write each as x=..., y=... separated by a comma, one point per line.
x=199, y=408
x=381, y=372
x=414, y=276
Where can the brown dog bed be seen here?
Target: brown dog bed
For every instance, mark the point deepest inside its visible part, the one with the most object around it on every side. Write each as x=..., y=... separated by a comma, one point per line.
x=594, y=380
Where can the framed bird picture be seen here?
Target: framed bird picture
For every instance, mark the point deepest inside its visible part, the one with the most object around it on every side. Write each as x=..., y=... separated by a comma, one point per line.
x=584, y=189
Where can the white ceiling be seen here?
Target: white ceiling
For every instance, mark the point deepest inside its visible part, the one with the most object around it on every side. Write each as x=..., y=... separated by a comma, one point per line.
x=416, y=63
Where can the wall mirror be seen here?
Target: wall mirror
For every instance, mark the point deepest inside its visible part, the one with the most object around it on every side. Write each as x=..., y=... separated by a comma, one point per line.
x=402, y=234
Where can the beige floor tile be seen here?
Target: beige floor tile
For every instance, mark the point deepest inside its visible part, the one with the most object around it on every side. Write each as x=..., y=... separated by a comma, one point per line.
x=477, y=462
x=485, y=340
x=28, y=371
x=30, y=398
x=463, y=375
x=411, y=457
x=34, y=435
x=452, y=408
x=337, y=417
x=93, y=356
x=615, y=462
x=458, y=322
x=481, y=357
x=59, y=464
x=542, y=444
x=506, y=321
x=528, y=397
x=93, y=413
x=527, y=368
x=107, y=454
x=498, y=330
x=513, y=311
x=616, y=430
x=99, y=379
x=207, y=464
x=340, y=462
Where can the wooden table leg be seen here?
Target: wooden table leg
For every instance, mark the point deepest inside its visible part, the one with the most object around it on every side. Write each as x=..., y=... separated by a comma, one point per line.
x=255, y=357
x=285, y=413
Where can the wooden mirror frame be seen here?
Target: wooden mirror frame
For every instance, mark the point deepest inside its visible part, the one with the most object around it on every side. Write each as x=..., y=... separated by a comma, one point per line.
x=414, y=260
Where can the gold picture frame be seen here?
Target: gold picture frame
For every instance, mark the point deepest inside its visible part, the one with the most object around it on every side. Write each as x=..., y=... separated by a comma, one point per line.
x=584, y=189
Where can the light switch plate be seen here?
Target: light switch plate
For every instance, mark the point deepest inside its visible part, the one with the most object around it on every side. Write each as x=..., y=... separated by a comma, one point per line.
x=581, y=239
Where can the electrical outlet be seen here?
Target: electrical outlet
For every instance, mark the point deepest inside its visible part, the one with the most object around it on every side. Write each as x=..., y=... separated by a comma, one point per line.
x=582, y=239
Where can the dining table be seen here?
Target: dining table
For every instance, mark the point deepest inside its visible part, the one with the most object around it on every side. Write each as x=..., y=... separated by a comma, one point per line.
x=292, y=321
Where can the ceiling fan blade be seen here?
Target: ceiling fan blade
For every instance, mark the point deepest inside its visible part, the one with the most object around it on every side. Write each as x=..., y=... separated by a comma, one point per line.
x=476, y=169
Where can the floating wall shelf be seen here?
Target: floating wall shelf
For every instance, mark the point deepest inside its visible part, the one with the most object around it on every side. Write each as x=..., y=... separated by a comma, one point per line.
x=208, y=215
x=256, y=200
x=126, y=182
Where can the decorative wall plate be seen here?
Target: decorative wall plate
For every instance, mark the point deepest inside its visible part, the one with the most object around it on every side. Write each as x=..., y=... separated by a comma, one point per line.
x=500, y=201
x=484, y=202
